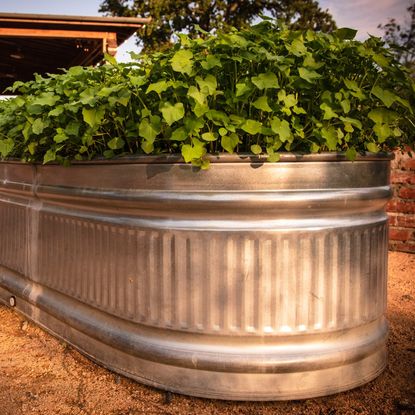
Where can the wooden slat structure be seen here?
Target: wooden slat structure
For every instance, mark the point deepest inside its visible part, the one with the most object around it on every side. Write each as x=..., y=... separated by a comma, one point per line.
x=45, y=43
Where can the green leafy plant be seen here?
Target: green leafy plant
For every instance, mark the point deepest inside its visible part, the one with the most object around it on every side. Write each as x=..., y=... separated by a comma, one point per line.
x=263, y=91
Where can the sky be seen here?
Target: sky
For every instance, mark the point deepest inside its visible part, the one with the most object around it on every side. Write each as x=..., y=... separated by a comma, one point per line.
x=364, y=15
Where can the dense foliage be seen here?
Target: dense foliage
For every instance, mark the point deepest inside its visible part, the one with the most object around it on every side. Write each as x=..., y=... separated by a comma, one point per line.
x=176, y=16
x=262, y=90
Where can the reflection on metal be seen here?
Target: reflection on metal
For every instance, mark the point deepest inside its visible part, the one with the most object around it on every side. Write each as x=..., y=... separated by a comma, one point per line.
x=248, y=281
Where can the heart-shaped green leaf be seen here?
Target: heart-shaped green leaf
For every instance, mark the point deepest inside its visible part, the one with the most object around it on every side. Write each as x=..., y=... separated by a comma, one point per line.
x=172, y=112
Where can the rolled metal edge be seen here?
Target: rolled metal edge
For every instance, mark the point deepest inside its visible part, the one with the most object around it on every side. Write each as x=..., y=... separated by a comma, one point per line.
x=223, y=158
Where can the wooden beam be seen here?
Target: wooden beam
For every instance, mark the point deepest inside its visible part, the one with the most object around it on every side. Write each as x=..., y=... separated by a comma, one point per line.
x=79, y=22
x=50, y=33
x=109, y=44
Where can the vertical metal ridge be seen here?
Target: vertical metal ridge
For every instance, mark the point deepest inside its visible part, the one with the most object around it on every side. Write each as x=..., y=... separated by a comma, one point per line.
x=371, y=275
x=374, y=268
x=196, y=277
x=146, y=263
x=57, y=274
x=147, y=274
x=344, y=293
x=13, y=241
x=167, y=278
x=76, y=266
x=131, y=273
x=87, y=253
x=39, y=248
x=92, y=267
x=322, y=295
x=285, y=280
x=54, y=277
x=385, y=265
x=381, y=268
x=206, y=284
x=92, y=244
x=229, y=268
x=83, y=258
x=100, y=264
x=316, y=299
x=305, y=282
x=9, y=252
x=105, y=268
x=239, y=276
x=119, y=271
x=298, y=286
x=82, y=234
x=139, y=266
x=181, y=282
x=65, y=281
x=76, y=239
x=3, y=222
x=215, y=277
x=159, y=286
x=187, y=295
x=78, y=271
x=25, y=249
x=115, y=272
x=223, y=293
x=251, y=274
x=326, y=279
x=365, y=308
x=382, y=264
x=245, y=275
x=110, y=270
x=264, y=309
x=293, y=276
x=142, y=266
x=6, y=243
x=174, y=277
x=10, y=241
x=335, y=303
x=257, y=280
x=276, y=280
x=355, y=291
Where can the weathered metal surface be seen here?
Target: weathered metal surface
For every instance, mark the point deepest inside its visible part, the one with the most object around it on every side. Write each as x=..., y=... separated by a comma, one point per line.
x=246, y=281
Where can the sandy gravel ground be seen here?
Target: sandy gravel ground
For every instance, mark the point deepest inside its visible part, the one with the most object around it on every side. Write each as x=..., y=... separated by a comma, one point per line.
x=41, y=375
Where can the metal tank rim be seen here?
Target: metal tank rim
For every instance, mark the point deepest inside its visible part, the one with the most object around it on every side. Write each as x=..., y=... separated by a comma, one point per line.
x=220, y=158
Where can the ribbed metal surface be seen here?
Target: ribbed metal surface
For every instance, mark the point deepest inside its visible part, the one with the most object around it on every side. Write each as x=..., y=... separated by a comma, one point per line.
x=13, y=235
x=290, y=255
x=217, y=282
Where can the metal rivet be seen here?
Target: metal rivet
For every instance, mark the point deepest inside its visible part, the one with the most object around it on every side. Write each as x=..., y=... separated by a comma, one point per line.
x=12, y=301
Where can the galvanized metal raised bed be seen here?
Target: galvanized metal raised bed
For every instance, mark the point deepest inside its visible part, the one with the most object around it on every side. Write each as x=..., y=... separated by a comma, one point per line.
x=247, y=281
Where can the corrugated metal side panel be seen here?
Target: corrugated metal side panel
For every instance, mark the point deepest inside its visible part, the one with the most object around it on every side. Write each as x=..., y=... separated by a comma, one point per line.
x=218, y=282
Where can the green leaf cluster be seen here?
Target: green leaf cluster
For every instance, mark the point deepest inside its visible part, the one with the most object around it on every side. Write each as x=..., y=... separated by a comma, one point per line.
x=262, y=90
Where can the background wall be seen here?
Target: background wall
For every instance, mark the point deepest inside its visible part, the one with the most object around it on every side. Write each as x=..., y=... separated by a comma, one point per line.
x=401, y=208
